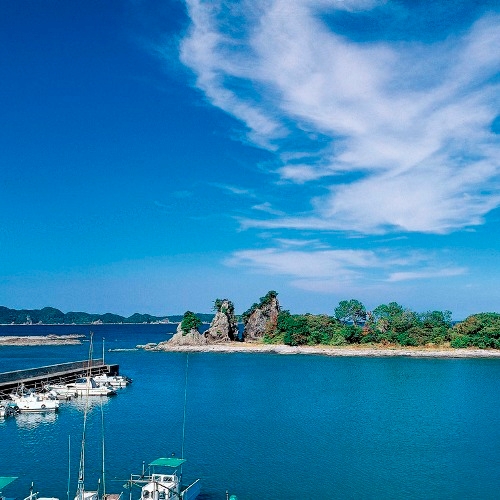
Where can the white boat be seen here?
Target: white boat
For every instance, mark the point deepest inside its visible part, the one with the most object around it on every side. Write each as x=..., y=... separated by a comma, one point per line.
x=35, y=495
x=61, y=391
x=87, y=386
x=114, y=381
x=30, y=401
x=157, y=485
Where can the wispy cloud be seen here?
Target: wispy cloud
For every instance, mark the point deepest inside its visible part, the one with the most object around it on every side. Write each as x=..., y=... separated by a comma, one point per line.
x=411, y=120
x=267, y=208
x=328, y=270
x=234, y=190
x=426, y=274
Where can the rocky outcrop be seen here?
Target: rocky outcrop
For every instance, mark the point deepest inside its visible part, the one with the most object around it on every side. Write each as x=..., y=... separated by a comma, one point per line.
x=224, y=326
x=261, y=318
x=180, y=337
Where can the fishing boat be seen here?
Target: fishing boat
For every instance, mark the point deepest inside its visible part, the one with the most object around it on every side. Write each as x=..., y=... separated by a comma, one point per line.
x=87, y=386
x=31, y=401
x=163, y=480
x=35, y=495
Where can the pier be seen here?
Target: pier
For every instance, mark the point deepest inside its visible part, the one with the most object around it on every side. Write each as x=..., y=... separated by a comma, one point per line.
x=65, y=373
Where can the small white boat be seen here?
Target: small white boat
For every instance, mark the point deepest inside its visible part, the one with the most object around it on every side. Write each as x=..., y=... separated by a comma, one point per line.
x=61, y=391
x=114, y=381
x=30, y=401
x=87, y=386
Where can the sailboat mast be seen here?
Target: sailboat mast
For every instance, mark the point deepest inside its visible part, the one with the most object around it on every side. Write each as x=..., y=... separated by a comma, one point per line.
x=81, y=472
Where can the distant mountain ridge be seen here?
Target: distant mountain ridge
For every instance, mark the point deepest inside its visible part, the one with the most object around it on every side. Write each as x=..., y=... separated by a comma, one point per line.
x=53, y=316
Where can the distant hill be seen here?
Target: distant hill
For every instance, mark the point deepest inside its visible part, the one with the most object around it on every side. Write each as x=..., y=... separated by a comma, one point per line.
x=52, y=316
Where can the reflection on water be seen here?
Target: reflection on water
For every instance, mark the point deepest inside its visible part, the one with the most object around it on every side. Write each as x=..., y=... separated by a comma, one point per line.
x=87, y=402
x=32, y=420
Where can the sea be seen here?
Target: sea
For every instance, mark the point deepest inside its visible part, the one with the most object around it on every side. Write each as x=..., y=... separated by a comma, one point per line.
x=261, y=426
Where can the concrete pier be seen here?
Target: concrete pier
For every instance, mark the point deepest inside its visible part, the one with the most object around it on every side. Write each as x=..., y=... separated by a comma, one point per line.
x=35, y=378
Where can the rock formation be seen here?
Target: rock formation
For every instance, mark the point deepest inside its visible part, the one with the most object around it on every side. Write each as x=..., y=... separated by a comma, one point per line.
x=192, y=337
x=261, y=317
x=224, y=326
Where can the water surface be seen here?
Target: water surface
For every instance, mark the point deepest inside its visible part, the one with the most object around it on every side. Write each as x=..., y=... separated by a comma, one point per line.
x=267, y=426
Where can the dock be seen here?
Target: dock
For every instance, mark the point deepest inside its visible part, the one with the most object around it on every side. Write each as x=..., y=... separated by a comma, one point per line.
x=65, y=373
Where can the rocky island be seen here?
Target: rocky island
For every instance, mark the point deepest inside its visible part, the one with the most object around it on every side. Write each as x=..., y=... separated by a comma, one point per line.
x=389, y=330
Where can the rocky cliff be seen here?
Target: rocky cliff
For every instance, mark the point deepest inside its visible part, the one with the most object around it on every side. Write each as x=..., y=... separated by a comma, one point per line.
x=261, y=317
x=224, y=326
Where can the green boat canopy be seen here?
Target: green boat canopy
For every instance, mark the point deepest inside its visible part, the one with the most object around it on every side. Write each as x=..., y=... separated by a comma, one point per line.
x=168, y=462
x=4, y=481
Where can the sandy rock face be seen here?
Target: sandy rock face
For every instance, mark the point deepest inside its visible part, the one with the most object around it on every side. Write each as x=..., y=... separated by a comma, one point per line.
x=193, y=337
x=262, y=319
x=224, y=327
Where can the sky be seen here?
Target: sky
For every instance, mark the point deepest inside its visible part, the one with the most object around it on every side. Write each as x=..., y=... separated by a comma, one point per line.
x=156, y=155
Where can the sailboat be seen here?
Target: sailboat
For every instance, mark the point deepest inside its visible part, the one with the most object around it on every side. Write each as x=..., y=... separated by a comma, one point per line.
x=81, y=492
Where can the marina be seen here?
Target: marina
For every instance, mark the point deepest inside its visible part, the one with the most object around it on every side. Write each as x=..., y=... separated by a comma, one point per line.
x=62, y=373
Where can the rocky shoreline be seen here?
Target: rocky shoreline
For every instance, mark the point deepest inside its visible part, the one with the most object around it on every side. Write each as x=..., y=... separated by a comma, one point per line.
x=32, y=340
x=350, y=351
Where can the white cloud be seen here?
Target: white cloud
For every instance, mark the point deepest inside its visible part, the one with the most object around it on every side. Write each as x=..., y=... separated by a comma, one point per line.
x=411, y=120
x=327, y=270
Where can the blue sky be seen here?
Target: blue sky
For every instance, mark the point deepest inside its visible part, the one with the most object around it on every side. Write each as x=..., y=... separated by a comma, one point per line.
x=157, y=155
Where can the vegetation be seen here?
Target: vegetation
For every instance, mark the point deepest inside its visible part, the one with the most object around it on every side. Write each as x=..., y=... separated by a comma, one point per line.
x=479, y=330
x=387, y=325
x=190, y=322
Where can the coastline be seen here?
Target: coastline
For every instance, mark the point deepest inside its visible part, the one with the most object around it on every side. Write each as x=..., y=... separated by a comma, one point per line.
x=347, y=351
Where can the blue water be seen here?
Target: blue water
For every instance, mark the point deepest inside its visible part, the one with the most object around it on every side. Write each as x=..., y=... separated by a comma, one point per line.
x=267, y=426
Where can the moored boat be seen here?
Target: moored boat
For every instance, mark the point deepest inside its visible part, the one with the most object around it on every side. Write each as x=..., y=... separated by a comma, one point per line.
x=87, y=386
x=158, y=485
x=60, y=391
x=114, y=381
x=31, y=401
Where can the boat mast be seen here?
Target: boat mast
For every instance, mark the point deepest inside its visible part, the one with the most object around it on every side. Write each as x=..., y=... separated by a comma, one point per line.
x=184, y=413
x=81, y=472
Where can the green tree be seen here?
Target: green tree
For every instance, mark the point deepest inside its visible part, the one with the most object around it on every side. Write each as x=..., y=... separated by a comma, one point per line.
x=350, y=311
x=189, y=322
